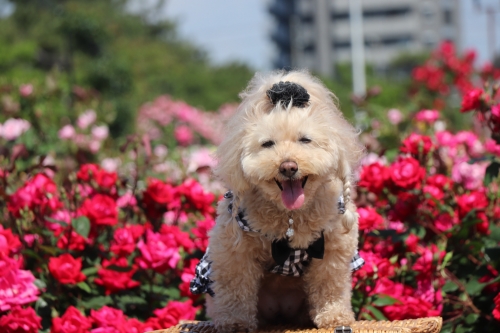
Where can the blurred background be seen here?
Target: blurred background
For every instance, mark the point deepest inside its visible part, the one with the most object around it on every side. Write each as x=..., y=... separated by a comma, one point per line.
x=62, y=58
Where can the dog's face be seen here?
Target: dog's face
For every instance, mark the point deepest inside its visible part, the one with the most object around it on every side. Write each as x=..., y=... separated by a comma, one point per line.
x=286, y=152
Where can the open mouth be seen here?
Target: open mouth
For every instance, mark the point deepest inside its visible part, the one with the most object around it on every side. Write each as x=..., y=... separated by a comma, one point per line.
x=292, y=192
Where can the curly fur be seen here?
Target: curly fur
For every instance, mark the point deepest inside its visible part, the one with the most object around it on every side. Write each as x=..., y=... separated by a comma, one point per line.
x=247, y=296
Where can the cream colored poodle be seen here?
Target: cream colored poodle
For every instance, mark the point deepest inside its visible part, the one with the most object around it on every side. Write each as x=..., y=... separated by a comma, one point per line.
x=285, y=242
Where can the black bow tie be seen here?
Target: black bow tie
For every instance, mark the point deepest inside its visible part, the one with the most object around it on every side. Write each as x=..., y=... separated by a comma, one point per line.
x=281, y=250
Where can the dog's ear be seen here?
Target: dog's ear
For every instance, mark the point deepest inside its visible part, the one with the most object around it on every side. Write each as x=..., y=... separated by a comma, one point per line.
x=344, y=173
x=229, y=155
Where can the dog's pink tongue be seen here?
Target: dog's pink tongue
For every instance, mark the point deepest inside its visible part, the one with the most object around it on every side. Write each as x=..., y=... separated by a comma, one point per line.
x=292, y=194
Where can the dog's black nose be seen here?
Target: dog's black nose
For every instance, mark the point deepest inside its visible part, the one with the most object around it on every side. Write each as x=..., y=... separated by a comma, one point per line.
x=288, y=169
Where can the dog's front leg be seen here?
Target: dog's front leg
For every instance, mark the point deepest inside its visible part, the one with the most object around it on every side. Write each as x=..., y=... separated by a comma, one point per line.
x=329, y=292
x=236, y=275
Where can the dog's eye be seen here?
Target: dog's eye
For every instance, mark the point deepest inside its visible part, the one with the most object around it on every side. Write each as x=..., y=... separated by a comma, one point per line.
x=268, y=144
x=305, y=140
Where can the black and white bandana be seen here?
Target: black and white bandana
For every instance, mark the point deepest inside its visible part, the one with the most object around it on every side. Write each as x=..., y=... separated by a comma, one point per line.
x=290, y=262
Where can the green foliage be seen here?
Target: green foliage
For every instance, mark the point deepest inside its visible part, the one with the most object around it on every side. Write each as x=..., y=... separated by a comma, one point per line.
x=99, y=45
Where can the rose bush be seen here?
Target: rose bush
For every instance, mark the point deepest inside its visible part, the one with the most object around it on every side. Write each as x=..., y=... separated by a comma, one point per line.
x=99, y=239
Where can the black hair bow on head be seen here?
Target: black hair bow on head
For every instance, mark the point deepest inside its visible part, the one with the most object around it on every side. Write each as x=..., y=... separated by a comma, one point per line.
x=286, y=92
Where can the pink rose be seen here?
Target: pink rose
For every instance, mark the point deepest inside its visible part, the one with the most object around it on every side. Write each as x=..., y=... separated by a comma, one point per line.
x=86, y=119
x=183, y=135
x=108, y=317
x=13, y=278
x=395, y=116
x=159, y=253
x=100, y=133
x=427, y=116
x=26, y=90
x=67, y=132
x=13, y=128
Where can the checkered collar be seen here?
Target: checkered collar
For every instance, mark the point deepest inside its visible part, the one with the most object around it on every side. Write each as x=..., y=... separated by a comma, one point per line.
x=292, y=262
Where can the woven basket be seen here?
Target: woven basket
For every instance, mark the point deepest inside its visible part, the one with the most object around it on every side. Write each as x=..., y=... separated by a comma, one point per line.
x=422, y=325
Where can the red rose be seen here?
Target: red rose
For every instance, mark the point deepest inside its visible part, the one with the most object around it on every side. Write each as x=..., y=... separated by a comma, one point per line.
x=9, y=243
x=412, y=242
x=124, y=242
x=409, y=307
x=369, y=219
x=87, y=172
x=71, y=322
x=114, y=281
x=426, y=263
x=406, y=205
x=440, y=181
x=469, y=201
x=174, y=312
x=374, y=177
x=483, y=227
x=197, y=197
x=135, y=326
x=40, y=192
x=201, y=233
x=180, y=237
x=445, y=221
x=77, y=241
x=159, y=192
x=20, y=320
x=106, y=179
x=101, y=210
x=375, y=264
x=66, y=269
x=472, y=100
x=496, y=310
x=109, y=317
x=417, y=145
x=158, y=197
x=406, y=172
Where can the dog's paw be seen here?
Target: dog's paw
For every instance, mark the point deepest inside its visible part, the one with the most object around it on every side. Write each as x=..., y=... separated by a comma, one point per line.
x=235, y=328
x=333, y=317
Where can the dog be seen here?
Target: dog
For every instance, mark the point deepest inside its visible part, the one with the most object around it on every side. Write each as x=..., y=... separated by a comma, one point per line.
x=285, y=241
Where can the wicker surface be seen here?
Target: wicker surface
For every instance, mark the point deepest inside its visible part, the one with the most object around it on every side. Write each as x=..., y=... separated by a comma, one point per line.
x=422, y=325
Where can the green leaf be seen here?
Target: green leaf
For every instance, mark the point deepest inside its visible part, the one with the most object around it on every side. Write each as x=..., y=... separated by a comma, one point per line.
x=446, y=259
x=96, y=302
x=40, y=303
x=474, y=287
x=81, y=225
x=32, y=254
x=495, y=232
x=385, y=300
x=128, y=299
x=376, y=312
x=461, y=329
x=119, y=268
x=84, y=286
x=367, y=316
x=492, y=172
x=40, y=284
x=89, y=271
x=449, y=287
x=471, y=318
x=62, y=223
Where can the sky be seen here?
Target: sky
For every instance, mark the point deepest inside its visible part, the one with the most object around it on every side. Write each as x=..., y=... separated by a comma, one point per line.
x=228, y=29
x=240, y=29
